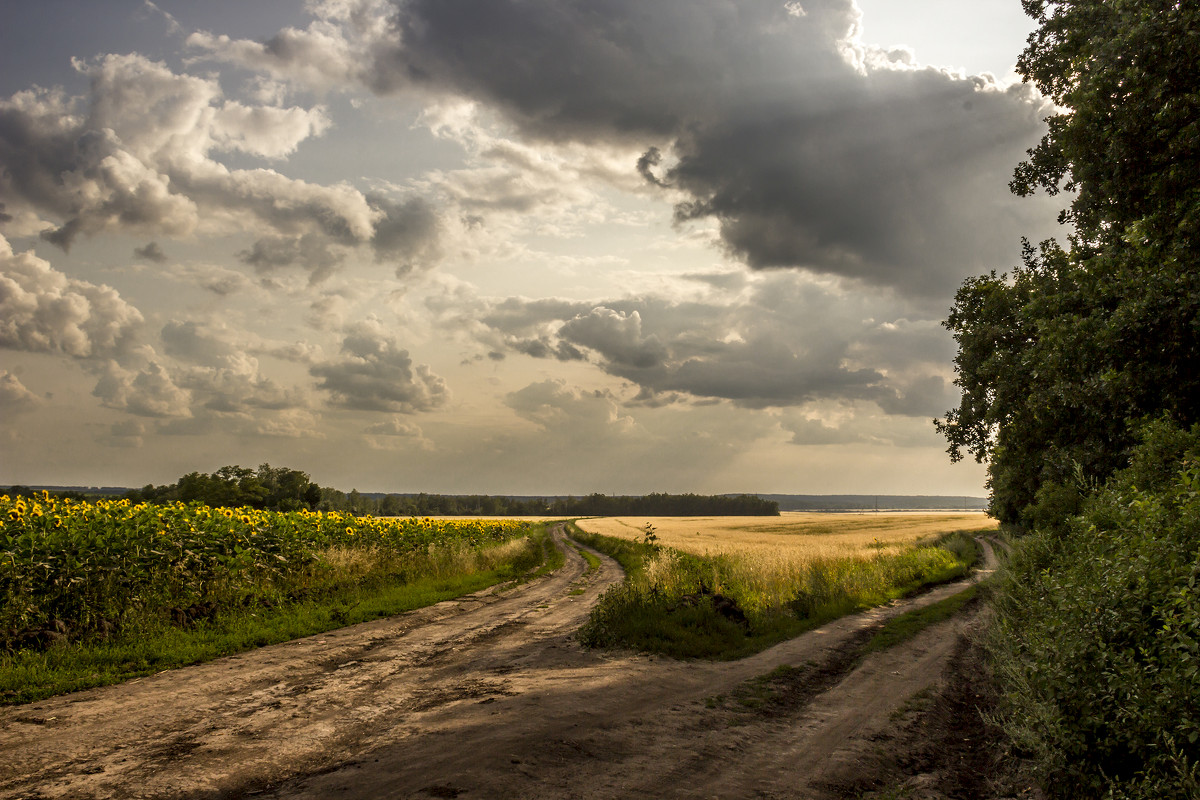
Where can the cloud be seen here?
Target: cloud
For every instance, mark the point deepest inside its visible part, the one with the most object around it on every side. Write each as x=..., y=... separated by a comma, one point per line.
x=904, y=184
x=850, y=423
x=290, y=423
x=311, y=253
x=572, y=414
x=43, y=310
x=810, y=148
x=296, y=352
x=618, y=336
x=645, y=166
x=376, y=374
x=146, y=392
x=14, y=397
x=335, y=50
x=126, y=433
x=406, y=233
x=810, y=431
x=203, y=371
x=396, y=433
x=780, y=339
x=221, y=281
x=220, y=375
x=140, y=155
x=266, y=131
x=151, y=252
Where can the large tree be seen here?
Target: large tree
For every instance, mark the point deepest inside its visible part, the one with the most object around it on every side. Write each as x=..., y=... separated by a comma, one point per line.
x=1061, y=361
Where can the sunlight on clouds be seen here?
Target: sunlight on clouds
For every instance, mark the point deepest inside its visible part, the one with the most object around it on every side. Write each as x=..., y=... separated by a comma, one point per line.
x=627, y=246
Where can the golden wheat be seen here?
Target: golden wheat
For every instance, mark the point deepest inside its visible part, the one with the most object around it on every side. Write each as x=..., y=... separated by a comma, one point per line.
x=792, y=536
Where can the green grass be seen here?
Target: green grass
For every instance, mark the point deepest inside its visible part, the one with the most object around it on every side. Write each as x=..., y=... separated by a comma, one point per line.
x=27, y=676
x=904, y=627
x=552, y=557
x=671, y=602
x=631, y=555
x=593, y=562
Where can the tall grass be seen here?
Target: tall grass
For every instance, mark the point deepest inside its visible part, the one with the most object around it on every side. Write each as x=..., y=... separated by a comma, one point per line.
x=691, y=606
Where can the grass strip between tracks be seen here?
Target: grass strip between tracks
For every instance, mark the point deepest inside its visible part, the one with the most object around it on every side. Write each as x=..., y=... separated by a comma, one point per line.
x=907, y=625
x=722, y=607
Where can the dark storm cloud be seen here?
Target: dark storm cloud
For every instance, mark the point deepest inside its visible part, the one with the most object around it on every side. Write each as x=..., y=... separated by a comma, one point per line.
x=646, y=164
x=902, y=184
x=810, y=149
x=585, y=69
x=376, y=374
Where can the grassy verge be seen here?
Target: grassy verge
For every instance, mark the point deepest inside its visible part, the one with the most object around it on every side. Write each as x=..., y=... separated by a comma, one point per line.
x=29, y=675
x=631, y=555
x=726, y=606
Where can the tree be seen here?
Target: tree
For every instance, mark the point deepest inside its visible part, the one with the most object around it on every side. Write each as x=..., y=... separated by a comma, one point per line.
x=1127, y=141
x=1062, y=362
x=279, y=489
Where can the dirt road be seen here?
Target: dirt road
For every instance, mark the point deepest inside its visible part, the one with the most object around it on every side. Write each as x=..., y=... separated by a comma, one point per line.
x=484, y=697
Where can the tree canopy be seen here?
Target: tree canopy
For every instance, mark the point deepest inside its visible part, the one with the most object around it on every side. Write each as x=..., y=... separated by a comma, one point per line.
x=1064, y=360
x=275, y=488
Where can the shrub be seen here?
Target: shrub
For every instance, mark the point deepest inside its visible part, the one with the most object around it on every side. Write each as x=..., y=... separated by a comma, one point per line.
x=1096, y=640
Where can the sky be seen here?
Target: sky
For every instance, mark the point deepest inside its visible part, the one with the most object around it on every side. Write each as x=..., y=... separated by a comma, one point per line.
x=502, y=246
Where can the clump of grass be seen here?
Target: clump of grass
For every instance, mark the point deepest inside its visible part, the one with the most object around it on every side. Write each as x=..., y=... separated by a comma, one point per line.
x=730, y=605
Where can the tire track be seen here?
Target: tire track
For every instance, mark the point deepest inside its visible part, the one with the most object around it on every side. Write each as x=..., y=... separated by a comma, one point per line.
x=486, y=696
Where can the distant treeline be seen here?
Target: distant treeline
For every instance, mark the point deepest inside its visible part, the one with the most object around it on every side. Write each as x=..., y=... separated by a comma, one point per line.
x=593, y=505
x=883, y=502
x=284, y=489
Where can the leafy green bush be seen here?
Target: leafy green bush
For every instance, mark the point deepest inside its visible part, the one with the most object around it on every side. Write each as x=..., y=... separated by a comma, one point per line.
x=1096, y=641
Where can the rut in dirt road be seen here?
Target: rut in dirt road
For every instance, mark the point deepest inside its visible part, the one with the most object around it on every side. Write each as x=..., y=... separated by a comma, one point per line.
x=261, y=716
x=587, y=725
x=482, y=698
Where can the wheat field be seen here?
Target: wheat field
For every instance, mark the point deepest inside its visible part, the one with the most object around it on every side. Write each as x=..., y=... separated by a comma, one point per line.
x=793, y=535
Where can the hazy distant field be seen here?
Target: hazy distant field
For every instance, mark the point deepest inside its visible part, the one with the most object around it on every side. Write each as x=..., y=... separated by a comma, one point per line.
x=793, y=535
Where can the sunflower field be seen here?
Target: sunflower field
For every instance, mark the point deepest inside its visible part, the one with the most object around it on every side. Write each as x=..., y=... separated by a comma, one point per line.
x=79, y=570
